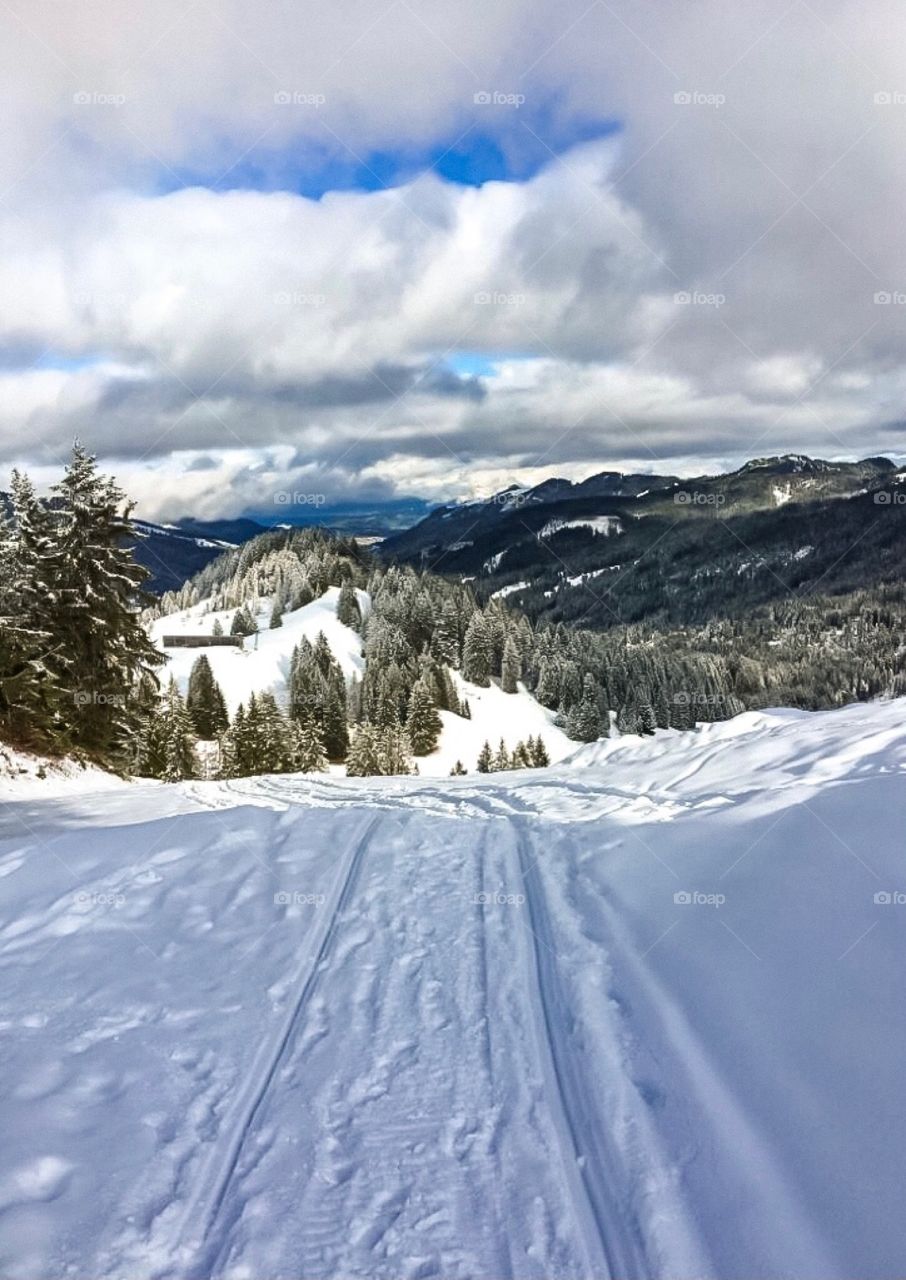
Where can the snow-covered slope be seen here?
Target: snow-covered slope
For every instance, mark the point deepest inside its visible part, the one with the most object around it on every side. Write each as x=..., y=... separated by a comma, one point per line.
x=638, y=1018
x=262, y=666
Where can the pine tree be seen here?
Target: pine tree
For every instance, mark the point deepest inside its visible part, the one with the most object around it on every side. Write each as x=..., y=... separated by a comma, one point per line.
x=335, y=728
x=167, y=745
x=348, y=610
x=584, y=721
x=457, y=771
x=276, y=614
x=485, y=758
x=445, y=637
x=205, y=701
x=547, y=690
x=476, y=651
x=31, y=691
x=243, y=623
x=217, y=629
x=363, y=760
x=423, y=723
x=540, y=758
x=647, y=721
x=501, y=761
x=394, y=751
x=627, y=719
x=309, y=755
x=270, y=747
x=98, y=647
x=511, y=666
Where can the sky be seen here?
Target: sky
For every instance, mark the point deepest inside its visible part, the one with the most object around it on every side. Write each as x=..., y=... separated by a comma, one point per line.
x=433, y=249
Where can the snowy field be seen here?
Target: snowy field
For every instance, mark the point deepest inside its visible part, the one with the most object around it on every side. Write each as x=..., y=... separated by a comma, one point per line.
x=263, y=665
x=640, y=1015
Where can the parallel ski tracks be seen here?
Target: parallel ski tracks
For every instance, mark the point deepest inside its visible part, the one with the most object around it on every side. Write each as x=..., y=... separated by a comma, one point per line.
x=206, y=1209
x=591, y=1162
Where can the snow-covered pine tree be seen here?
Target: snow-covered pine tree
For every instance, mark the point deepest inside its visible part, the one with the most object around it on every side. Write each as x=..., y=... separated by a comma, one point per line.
x=476, y=651
x=363, y=760
x=217, y=629
x=647, y=719
x=511, y=666
x=627, y=719
x=458, y=771
x=445, y=636
x=547, y=690
x=271, y=748
x=30, y=690
x=394, y=751
x=584, y=721
x=335, y=728
x=204, y=700
x=276, y=619
x=348, y=611
x=501, y=760
x=98, y=638
x=309, y=755
x=539, y=756
x=166, y=747
x=423, y=723
x=485, y=758
x=243, y=623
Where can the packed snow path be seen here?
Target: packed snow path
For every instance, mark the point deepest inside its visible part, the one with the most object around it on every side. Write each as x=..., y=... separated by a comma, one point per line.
x=288, y=1028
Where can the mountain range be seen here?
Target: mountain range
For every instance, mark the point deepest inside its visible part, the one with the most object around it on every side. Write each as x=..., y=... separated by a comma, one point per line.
x=625, y=548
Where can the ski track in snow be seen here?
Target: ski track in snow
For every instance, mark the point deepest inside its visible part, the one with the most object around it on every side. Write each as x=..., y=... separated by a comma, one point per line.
x=297, y=1028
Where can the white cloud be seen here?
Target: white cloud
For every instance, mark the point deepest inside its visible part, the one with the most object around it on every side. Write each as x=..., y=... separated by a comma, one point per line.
x=715, y=278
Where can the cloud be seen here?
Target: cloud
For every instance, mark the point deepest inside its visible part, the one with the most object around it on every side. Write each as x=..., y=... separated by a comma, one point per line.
x=724, y=275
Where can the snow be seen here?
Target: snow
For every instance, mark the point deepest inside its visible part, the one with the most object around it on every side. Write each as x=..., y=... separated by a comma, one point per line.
x=781, y=495
x=262, y=666
x=638, y=1015
x=22, y=773
x=494, y=715
x=579, y=578
x=604, y=525
x=503, y=592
